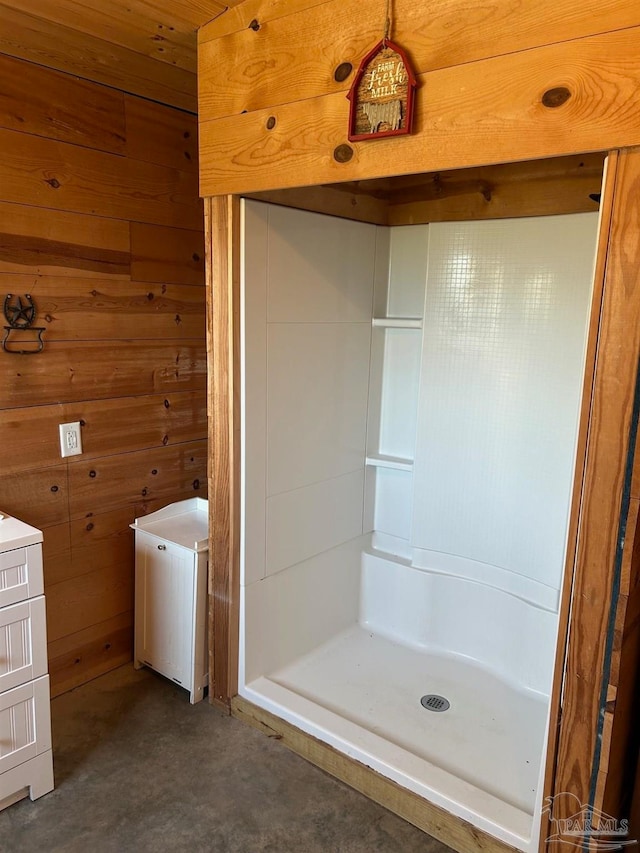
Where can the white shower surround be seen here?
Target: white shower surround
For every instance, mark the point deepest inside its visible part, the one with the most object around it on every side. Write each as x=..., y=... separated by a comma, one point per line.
x=323, y=610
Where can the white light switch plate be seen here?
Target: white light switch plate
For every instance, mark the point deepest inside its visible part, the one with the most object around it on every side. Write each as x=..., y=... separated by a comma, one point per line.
x=70, y=439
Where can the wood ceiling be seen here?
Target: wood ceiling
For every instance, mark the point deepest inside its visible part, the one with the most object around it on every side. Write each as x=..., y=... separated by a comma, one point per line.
x=147, y=47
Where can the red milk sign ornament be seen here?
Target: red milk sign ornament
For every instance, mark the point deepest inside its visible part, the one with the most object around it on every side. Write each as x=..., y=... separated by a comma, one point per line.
x=382, y=94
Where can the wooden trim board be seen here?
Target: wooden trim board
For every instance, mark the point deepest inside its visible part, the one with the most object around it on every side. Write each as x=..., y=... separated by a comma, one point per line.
x=223, y=346
x=457, y=833
x=599, y=589
x=578, y=485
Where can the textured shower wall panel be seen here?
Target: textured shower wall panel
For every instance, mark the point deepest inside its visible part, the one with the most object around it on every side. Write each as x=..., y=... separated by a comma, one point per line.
x=317, y=377
x=408, y=258
x=307, y=521
x=290, y=613
x=506, y=313
x=307, y=305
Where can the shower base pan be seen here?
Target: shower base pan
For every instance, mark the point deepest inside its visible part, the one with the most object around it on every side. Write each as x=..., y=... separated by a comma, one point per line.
x=361, y=693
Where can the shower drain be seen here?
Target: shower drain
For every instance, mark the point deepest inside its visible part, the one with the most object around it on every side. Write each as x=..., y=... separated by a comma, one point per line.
x=433, y=702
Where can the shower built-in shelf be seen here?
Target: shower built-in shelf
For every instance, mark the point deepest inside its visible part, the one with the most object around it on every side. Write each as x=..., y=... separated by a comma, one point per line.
x=395, y=462
x=396, y=323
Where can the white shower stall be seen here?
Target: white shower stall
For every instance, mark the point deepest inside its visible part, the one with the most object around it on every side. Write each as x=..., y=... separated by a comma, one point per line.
x=411, y=398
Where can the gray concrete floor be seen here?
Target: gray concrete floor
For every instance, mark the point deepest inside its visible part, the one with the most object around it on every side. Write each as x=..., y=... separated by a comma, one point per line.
x=139, y=769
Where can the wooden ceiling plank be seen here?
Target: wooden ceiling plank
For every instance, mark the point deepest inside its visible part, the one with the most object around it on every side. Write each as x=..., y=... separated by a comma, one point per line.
x=59, y=47
x=154, y=29
x=47, y=103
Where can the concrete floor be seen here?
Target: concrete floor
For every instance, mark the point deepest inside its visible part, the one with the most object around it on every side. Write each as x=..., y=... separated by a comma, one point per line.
x=139, y=769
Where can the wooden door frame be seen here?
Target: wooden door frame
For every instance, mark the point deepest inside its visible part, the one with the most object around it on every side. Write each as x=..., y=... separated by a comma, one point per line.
x=595, y=574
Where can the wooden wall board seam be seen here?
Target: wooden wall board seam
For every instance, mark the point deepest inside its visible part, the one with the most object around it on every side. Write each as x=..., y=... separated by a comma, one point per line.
x=61, y=48
x=127, y=354
x=293, y=72
x=606, y=468
x=453, y=125
x=238, y=15
x=76, y=179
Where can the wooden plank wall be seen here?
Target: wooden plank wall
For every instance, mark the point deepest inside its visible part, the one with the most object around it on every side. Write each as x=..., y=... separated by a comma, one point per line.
x=281, y=119
x=100, y=221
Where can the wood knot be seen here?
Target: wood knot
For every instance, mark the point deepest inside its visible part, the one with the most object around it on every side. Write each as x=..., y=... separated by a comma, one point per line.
x=254, y=25
x=342, y=72
x=166, y=404
x=196, y=484
x=92, y=474
x=145, y=492
x=53, y=182
x=154, y=471
x=89, y=526
x=54, y=488
x=196, y=257
x=343, y=153
x=553, y=98
x=271, y=122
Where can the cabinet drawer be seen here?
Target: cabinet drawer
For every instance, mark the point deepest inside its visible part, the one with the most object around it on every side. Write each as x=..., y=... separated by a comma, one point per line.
x=20, y=574
x=23, y=643
x=25, y=723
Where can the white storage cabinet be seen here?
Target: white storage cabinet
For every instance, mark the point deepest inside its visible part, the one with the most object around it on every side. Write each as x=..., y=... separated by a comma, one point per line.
x=172, y=549
x=26, y=763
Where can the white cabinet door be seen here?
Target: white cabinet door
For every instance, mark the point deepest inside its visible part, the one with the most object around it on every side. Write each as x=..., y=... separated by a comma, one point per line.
x=23, y=643
x=164, y=607
x=25, y=723
x=20, y=574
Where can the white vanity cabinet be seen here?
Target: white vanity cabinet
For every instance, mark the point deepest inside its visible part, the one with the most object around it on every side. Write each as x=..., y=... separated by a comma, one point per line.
x=171, y=594
x=26, y=764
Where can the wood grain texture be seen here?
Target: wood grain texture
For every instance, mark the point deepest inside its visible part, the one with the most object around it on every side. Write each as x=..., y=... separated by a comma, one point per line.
x=101, y=309
x=70, y=177
x=125, y=357
x=144, y=422
x=334, y=201
x=81, y=602
x=275, y=65
x=484, y=112
x=167, y=254
x=46, y=103
x=242, y=12
x=596, y=577
x=496, y=193
x=439, y=824
x=40, y=241
x=450, y=32
x=159, y=134
x=223, y=346
x=56, y=46
x=56, y=551
x=77, y=658
x=150, y=29
x=167, y=473
x=39, y=496
x=88, y=370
